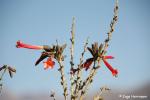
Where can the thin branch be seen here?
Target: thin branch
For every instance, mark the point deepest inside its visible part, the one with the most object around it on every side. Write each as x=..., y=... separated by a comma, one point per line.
x=72, y=42
x=63, y=80
x=1, y=77
x=1, y=87
x=72, y=56
x=79, y=71
x=84, y=86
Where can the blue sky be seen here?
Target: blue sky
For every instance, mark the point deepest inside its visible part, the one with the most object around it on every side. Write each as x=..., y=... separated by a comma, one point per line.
x=41, y=22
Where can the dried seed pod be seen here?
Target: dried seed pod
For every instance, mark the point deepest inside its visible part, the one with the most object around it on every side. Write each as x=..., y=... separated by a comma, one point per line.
x=11, y=69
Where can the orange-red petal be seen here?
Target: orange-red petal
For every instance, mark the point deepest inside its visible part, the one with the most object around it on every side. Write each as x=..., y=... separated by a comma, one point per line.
x=49, y=64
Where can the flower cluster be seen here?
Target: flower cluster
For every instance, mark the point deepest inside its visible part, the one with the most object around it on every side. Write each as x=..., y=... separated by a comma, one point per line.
x=97, y=54
x=51, y=53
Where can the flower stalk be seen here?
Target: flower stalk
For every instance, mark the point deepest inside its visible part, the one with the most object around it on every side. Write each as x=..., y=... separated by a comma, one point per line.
x=78, y=80
x=106, y=43
x=72, y=39
x=63, y=80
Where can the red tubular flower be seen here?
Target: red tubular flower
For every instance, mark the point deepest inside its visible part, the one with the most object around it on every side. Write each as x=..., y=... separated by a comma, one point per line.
x=23, y=45
x=87, y=63
x=114, y=71
x=49, y=63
